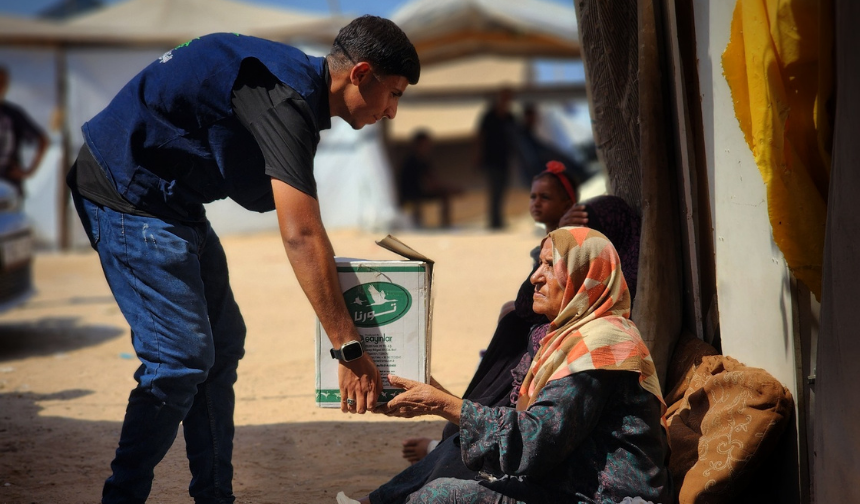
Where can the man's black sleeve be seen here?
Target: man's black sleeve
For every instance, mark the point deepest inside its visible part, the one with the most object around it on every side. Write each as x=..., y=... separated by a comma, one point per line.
x=282, y=123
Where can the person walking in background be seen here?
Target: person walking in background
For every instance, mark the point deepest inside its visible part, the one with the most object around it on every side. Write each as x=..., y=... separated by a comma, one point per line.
x=16, y=130
x=419, y=183
x=224, y=115
x=534, y=153
x=495, y=149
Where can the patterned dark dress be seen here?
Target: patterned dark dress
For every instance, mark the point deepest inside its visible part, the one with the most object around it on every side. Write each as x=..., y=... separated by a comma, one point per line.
x=592, y=437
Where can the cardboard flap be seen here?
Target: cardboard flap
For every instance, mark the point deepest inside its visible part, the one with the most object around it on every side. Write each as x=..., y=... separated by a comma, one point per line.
x=398, y=247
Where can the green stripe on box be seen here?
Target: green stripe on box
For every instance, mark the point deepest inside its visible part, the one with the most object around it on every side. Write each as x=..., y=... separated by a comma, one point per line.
x=371, y=269
x=333, y=395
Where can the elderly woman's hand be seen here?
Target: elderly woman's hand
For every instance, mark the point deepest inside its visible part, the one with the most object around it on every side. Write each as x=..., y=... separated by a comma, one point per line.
x=575, y=216
x=421, y=399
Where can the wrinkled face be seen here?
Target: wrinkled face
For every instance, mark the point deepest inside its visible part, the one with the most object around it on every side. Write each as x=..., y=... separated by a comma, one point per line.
x=548, y=291
x=548, y=201
x=372, y=97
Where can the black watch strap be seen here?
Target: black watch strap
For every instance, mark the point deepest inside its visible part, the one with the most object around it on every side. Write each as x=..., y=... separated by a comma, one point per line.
x=348, y=352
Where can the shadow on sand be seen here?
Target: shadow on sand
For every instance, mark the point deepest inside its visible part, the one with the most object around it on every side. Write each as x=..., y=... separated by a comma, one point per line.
x=54, y=459
x=49, y=336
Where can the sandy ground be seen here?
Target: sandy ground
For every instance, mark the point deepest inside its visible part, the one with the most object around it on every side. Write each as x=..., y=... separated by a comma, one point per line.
x=66, y=367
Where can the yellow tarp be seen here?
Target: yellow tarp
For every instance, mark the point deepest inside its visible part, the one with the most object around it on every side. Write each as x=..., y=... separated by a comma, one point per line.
x=779, y=67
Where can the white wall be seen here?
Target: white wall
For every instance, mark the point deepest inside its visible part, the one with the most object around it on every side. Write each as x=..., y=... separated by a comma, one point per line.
x=753, y=282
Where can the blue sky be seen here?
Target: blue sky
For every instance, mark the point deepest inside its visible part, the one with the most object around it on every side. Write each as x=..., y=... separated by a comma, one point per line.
x=377, y=7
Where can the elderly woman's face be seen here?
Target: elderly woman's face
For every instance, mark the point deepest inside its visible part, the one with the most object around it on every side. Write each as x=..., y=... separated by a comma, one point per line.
x=548, y=291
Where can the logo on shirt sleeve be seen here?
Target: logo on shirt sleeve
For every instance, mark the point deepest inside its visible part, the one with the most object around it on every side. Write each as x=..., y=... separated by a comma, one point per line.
x=169, y=54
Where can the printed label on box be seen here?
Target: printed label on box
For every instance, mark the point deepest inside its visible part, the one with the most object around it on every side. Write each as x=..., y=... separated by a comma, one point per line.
x=389, y=305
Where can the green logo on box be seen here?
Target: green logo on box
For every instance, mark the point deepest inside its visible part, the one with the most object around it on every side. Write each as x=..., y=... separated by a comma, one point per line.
x=376, y=304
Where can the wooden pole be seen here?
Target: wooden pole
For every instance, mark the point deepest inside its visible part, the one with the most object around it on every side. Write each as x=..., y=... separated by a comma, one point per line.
x=63, y=197
x=608, y=39
x=658, y=309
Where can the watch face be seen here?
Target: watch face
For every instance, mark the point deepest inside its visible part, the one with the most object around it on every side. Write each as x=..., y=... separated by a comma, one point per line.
x=351, y=351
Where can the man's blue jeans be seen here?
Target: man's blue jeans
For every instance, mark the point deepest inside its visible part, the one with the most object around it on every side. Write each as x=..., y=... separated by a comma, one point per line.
x=170, y=281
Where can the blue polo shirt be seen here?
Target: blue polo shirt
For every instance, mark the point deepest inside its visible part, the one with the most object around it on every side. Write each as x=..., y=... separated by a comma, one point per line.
x=171, y=140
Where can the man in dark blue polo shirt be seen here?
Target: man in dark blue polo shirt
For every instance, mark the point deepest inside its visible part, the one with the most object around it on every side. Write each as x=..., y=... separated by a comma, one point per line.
x=223, y=115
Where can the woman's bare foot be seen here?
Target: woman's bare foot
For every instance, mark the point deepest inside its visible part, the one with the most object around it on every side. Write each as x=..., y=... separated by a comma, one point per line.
x=415, y=449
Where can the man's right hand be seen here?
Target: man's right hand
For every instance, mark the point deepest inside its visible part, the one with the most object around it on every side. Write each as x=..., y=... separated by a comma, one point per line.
x=360, y=381
x=312, y=258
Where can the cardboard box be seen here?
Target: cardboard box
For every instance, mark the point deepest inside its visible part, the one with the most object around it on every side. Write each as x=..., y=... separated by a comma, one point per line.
x=391, y=304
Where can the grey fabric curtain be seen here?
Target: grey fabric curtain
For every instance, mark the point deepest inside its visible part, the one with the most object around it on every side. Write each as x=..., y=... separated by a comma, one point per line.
x=836, y=435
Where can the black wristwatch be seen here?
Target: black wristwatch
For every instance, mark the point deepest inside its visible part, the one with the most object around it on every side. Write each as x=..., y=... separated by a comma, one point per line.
x=348, y=352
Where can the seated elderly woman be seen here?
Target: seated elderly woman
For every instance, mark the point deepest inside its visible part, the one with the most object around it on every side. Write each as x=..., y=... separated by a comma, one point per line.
x=500, y=372
x=587, y=425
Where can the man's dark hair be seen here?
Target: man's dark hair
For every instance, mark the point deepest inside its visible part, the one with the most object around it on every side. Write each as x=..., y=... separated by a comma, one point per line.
x=379, y=42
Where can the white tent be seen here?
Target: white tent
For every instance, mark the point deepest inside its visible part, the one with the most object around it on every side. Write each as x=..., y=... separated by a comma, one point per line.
x=175, y=21
x=14, y=29
x=446, y=29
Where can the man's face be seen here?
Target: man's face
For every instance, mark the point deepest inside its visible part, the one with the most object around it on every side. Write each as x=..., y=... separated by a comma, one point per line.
x=372, y=97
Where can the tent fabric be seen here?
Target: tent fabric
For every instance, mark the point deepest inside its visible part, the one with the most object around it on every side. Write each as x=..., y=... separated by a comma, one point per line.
x=446, y=29
x=354, y=184
x=17, y=30
x=354, y=178
x=773, y=64
x=169, y=22
x=179, y=20
x=11, y=26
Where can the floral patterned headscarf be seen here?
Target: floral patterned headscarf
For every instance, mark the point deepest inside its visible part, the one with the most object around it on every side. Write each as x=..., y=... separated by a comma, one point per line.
x=593, y=329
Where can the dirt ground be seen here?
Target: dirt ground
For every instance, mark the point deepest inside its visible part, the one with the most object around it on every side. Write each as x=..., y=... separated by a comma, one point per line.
x=66, y=367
